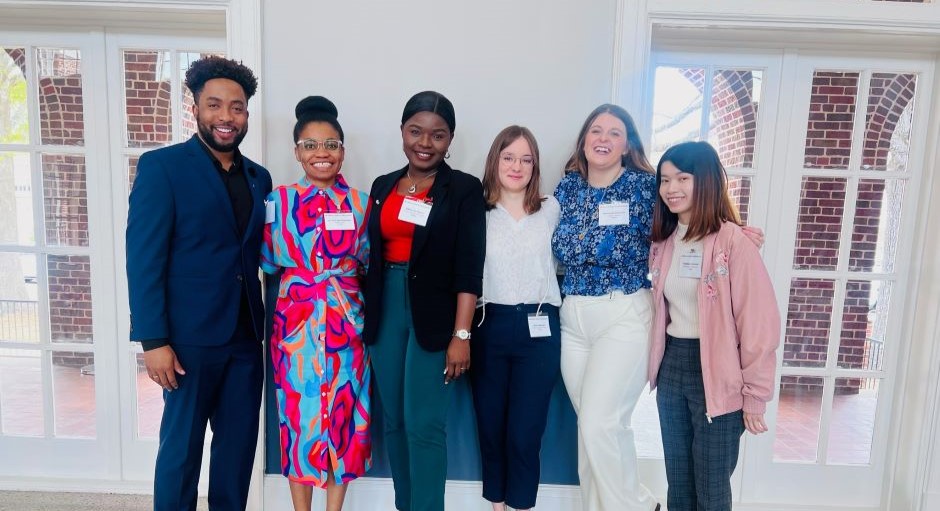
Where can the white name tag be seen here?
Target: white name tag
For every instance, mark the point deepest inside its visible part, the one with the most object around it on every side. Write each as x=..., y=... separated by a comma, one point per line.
x=269, y=212
x=538, y=326
x=690, y=265
x=414, y=211
x=339, y=221
x=614, y=213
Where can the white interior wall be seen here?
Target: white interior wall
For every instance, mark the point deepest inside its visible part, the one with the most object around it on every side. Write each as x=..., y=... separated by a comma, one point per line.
x=499, y=62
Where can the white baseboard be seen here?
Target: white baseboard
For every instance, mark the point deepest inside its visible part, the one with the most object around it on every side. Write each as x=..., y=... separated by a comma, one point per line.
x=77, y=485
x=377, y=494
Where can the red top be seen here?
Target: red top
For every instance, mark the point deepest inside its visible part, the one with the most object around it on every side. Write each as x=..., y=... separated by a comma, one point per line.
x=397, y=234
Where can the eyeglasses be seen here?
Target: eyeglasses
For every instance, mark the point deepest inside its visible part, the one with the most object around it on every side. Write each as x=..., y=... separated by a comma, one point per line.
x=331, y=144
x=526, y=161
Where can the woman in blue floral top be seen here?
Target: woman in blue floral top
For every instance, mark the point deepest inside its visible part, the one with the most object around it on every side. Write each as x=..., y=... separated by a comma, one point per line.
x=606, y=200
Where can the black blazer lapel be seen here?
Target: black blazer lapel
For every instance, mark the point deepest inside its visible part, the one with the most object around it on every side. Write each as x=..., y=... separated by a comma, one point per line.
x=438, y=196
x=256, y=187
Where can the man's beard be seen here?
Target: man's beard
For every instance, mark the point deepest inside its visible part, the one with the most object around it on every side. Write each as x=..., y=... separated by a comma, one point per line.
x=205, y=133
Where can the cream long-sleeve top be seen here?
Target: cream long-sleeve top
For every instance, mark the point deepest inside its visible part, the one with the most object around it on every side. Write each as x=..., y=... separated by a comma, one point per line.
x=519, y=266
x=739, y=321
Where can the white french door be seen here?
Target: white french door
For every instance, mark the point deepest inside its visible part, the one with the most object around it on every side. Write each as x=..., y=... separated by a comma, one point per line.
x=825, y=153
x=58, y=396
x=76, y=111
x=851, y=152
x=151, y=108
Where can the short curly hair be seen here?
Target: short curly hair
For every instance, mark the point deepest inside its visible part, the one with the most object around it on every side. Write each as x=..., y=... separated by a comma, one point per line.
x=214, y=66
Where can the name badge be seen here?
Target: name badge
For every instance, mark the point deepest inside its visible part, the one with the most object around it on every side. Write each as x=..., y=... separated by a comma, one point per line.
x=339, y=221
x=614, y=213
x=414, y=211
x=538, y=326
x=269, y=212
x=690, y=265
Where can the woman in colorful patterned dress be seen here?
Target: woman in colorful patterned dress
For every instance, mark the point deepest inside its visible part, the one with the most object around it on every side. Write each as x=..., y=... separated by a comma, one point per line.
x=316, y=234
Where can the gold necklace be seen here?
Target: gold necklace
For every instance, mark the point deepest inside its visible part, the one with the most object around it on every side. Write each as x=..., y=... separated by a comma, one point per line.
x=414, y=184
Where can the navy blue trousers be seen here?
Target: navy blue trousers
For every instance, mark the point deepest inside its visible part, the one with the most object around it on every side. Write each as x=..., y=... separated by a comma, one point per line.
x=700, y=453
x=221, y=387
x=512, y=377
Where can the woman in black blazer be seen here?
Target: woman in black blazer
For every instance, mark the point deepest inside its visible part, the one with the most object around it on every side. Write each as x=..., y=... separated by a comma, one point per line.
x=426, y=231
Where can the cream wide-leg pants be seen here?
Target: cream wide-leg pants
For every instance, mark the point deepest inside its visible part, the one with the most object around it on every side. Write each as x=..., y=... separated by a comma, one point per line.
x=604, y=353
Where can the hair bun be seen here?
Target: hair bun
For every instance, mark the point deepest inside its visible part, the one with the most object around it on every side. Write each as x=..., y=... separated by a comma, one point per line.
x=311, y=105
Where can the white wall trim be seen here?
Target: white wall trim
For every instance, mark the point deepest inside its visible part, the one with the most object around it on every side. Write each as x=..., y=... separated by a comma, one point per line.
x=371, y=493
x=918, y=457
x=243, y=31
x=878, y=16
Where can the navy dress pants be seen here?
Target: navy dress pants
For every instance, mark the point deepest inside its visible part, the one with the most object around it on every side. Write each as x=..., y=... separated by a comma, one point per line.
x=221, y=387
x=701, y=452
x=512, y=377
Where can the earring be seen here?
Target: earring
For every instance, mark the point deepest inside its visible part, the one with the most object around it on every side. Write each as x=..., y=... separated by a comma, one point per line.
x=447, y=155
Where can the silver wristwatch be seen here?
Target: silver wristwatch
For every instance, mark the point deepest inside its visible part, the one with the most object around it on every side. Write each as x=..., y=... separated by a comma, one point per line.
x=462, y=334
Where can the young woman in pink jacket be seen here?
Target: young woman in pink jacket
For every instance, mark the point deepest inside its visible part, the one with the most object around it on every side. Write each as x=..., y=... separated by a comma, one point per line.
x=715, y=330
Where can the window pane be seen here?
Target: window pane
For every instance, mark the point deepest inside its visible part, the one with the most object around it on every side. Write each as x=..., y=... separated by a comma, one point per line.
x=677, y=108
x=19, y=306
x=70, y=298
x=73, y=381
x=147, y=98
x=21, y=392
x=149, y=401
x=852, y=423
x=61, y=118
x=877, y=225
x=14, y=115
x=16, y=200
x=797, y=429
x=188, y=122
x=739, y=188
x=831, y=113
x=65, y=199
x=864, y=324
x=888, y=122
x=819, y=225
x=130, y=163
x=733, y=127
x=809, y=318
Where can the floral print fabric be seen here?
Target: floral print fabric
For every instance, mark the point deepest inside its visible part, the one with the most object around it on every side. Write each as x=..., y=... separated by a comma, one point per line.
x=601, y=259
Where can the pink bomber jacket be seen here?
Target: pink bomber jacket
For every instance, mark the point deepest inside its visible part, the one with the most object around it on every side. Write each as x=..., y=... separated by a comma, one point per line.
x=739, y=322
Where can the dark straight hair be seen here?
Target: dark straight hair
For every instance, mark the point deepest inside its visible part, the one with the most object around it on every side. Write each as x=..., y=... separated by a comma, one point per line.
x=430, y=101
x=711, y=204
x=636, y=155
x=491, y=186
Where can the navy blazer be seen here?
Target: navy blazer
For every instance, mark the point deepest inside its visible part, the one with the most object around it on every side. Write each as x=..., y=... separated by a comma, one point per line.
x=185, y=260
x=446, y=255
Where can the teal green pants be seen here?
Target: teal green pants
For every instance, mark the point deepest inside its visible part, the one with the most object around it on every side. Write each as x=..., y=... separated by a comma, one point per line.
x=410, y=381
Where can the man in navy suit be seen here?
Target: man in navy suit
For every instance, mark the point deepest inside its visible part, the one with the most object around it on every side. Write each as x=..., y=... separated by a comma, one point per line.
x=194, y=232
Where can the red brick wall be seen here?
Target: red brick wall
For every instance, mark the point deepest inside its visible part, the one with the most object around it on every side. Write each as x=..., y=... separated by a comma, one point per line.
x=147, y=104
x=65, y=201
x=62, y=121
x=831, y=112
x=70, y=298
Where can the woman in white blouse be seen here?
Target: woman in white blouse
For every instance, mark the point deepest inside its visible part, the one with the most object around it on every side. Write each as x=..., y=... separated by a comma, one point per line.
x=516, y=345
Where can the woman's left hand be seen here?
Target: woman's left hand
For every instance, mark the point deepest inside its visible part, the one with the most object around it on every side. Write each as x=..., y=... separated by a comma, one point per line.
x=755, y=234
x=754, y=423
x=458, y=359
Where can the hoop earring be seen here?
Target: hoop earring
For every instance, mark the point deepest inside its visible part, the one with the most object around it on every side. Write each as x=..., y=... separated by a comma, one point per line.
x=447, y=155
